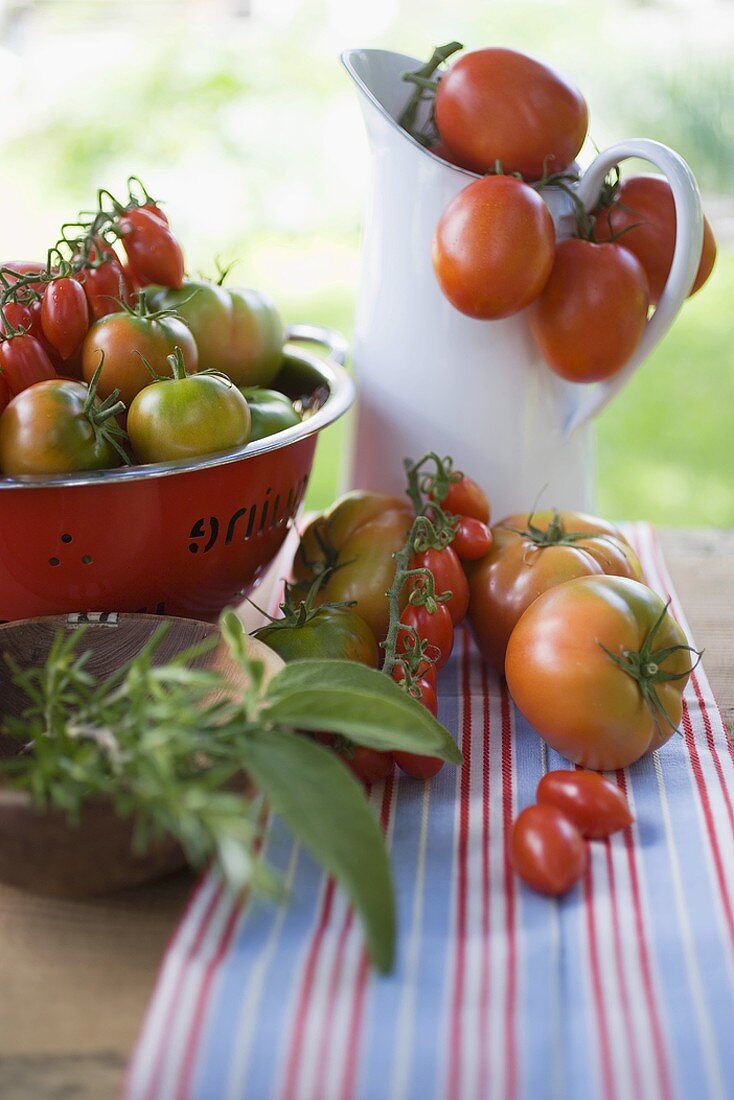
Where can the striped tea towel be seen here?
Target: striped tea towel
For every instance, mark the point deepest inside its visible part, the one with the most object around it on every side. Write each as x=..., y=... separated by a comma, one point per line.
x=624, y=988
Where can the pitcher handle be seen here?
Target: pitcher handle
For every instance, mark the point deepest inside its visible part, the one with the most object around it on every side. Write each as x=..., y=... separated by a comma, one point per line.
x=686, y=257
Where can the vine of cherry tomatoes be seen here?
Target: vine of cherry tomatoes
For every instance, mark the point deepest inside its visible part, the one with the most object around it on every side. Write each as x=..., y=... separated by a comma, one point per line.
x=520, y=124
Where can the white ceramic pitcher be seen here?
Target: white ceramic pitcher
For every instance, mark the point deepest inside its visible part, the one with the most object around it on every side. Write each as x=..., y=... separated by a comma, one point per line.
x=433, y=379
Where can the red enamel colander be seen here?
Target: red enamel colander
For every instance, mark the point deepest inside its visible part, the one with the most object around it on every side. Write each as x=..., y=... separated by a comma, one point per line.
x=176, y=538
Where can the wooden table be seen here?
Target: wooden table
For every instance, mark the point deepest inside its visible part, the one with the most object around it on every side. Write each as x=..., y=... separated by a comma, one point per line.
x=75, y=976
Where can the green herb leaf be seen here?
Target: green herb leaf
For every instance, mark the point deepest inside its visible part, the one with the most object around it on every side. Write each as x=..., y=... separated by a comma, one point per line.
x=359, y=703
x=326, y=809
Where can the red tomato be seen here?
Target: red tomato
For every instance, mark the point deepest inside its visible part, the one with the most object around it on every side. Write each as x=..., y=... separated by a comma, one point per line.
x=64, y=316
x=499, y=105
x=448, y=576
x=596, y=806
x=14, y=316
x=547, y=850
x=466, y=498
x=592, y=313
x=473, y=539
x=418, y=767
x=153, y=252
x=493, y=248
x=441, y=149
x=105, y=286
x=437, y=628
x=24, y=362
x=5, y=394
x=369, y=765
x=154, y=209
x=426, y=674
x=644, y=211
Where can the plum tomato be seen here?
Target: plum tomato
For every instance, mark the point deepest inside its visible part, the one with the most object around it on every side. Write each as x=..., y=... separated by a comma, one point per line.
x=23, y=362
x=643, y=211
x=64, y=315
x=598, y=666
x=107, y=286
x=547, y=850
x=592, y=312
x=498, y=105
x=418, y=767
x=448, y=576
x=596, y=806
x=153, y=253
x=531, y=553
x=493, y=249
x=368, y=765
x=434, y=627
x=466, y=498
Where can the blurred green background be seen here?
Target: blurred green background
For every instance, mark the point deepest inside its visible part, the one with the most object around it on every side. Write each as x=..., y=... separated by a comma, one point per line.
x=238, y=113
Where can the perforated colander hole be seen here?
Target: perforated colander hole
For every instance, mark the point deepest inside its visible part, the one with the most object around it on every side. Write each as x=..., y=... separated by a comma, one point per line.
x=66, y=538
x=87, y=559
x=54, y=561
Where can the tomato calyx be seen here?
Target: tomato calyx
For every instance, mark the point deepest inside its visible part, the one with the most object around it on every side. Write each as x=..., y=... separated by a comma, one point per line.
x=102, y=415
x=297, y=613
x=555, y=534
x=424, y=87
x=645, y=668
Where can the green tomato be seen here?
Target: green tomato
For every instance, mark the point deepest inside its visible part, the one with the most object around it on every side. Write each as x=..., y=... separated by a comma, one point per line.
x=187, y=416
x=238, y=332
x=328, y=632
x=271, y=411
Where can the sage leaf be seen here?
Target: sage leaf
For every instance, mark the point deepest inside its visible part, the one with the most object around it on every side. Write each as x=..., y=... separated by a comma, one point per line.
x=325, y=808
x=358, y=702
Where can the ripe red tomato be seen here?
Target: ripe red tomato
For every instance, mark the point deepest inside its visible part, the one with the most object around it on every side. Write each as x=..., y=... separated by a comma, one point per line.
x=644, y=211
x=14, y=316
x=437, y=628
x=473, y=539
x=500, y=105
x=598, y=666
x=493, y=248
x=547, y=850
x=426, y=674
x=369, y=765
x=24, y=362
x=596, y=806
x=466, y=498
x=592, y=313
x=418, y=767
x=64, y=315
x=153, y=252
x=107, y=285
x=448, y=576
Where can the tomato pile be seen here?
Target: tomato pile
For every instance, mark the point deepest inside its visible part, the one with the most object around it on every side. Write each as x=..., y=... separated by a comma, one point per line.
x=109, y=355
x=520, y=124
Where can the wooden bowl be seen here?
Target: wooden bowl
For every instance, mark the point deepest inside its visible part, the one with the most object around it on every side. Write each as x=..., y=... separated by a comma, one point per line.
x=39, y=849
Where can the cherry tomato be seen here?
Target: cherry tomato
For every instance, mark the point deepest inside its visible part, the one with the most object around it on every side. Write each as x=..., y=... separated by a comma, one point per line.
x=493, y=248
x=436, y=628
x=23, y=361
x=64, y=315
x=644, y=212
x=547, y=850
x=427, y=675
x=153, y=252
x=185, y=416
x=531, y=553
x=596, y=806
x=369, y=765
x=358, y=535
x=448, y=576
x=499, y=105
x=56, y=427
x=129, y=340
x=592, y=313
x=328, y=632
x=590, y=665
x=418, y=767
x=473, y=539
x=466, y=498
x=105, y=286
x=14, y=316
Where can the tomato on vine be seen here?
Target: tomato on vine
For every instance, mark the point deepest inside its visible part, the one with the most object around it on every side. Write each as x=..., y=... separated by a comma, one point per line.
x=418, y=767
x=448, y=576
x=153, y=253
x=64, y=315
x=473, y=539
x=106, y=284
x=24, y=361
x=464, y=497
x=434, y=627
